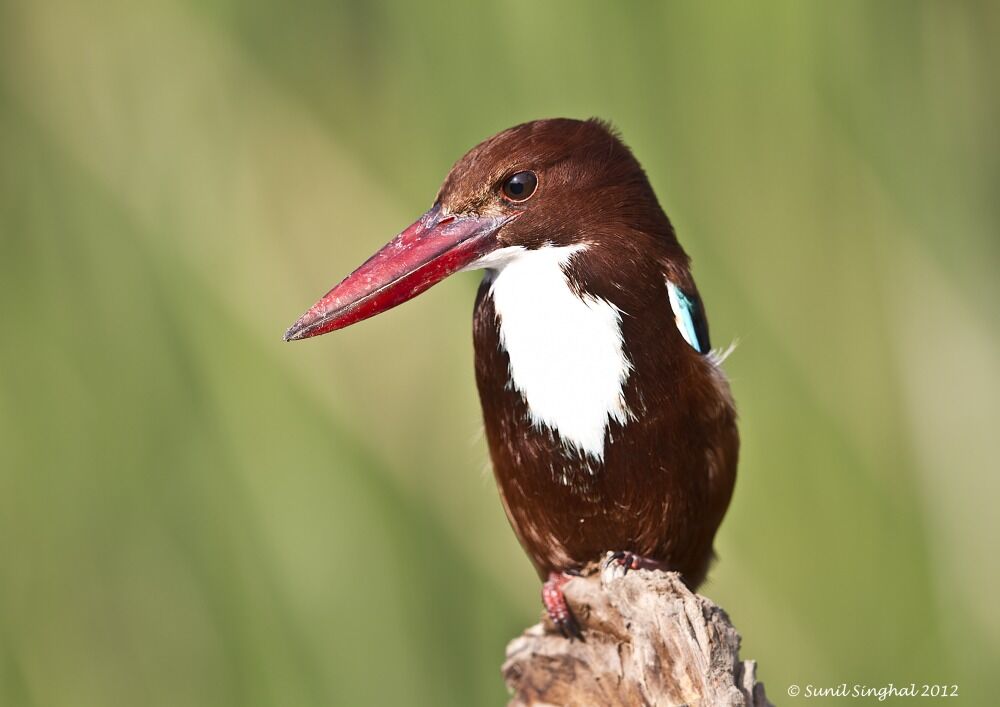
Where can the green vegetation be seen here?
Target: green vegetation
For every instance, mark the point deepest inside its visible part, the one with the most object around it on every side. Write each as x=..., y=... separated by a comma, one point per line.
x=194, y=513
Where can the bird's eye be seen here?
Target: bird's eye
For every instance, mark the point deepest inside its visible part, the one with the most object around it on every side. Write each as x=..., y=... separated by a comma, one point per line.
x=520, y=186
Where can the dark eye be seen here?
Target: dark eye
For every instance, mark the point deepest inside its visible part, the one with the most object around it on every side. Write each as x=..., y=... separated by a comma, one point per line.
x=520, y=186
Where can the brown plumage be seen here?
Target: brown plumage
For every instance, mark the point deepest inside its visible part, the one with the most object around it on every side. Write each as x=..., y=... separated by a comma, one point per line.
x=667, y=474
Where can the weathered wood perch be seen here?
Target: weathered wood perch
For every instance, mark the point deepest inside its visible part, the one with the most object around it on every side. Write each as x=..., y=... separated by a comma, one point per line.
x=648, y=640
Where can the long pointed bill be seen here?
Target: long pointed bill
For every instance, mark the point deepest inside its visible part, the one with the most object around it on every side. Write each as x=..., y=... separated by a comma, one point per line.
x=424, y=254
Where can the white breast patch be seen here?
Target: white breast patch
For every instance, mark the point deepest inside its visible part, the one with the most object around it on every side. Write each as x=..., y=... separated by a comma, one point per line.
x=567, y=357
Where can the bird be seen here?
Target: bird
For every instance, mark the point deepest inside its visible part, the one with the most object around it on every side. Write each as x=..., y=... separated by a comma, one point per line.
x=610, y=423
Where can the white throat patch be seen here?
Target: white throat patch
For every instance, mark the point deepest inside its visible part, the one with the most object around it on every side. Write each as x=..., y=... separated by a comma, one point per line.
x=567, y=357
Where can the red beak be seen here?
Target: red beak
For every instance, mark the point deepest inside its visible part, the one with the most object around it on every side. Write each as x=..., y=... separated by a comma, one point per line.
x=424, y=254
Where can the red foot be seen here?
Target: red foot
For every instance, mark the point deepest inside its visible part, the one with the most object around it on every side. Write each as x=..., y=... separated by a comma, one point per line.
x=619, y=563
x=556, y=606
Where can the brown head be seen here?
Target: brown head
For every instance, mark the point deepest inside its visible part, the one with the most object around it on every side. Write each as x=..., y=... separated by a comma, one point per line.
x=547, y=182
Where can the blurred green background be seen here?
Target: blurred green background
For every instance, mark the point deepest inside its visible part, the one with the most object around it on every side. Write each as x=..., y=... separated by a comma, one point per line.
x=194, y=513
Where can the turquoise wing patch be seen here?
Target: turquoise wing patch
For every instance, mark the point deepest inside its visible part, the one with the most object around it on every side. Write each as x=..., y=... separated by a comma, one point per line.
x=689, y=318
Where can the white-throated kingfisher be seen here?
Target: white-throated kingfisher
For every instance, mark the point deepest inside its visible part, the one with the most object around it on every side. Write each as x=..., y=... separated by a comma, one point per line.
x=610, y=423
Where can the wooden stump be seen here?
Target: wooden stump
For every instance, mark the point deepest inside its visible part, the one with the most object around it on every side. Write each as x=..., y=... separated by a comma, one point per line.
x=648, y=640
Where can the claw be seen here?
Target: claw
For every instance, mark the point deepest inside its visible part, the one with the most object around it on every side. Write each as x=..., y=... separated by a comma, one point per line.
x=618, y=564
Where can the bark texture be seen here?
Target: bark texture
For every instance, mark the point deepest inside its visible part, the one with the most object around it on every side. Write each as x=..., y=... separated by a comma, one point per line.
x=648, y=640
